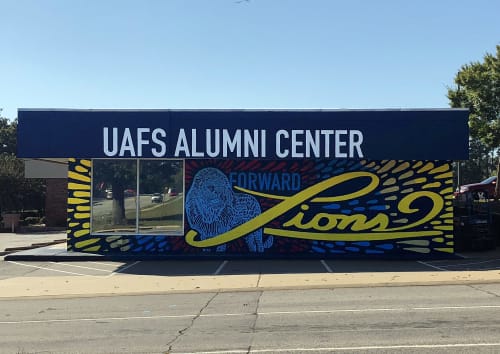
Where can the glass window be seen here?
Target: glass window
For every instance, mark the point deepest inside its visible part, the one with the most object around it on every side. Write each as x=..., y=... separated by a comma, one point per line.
x=161, y=186
x=114, y=208
x=137, y=196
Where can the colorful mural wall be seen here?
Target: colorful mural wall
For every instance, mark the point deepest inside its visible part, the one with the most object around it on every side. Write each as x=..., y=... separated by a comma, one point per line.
x=301, y=208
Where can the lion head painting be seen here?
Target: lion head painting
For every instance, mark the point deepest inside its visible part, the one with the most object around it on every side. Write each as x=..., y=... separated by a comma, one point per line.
x=212, y=208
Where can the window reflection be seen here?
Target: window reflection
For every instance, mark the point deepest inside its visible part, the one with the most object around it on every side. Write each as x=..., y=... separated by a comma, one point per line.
x=118, y=192
x=161, y=185
x=114, y=207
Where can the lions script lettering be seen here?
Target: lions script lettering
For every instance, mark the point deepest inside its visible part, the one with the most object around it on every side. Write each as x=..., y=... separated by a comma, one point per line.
x=329, y=226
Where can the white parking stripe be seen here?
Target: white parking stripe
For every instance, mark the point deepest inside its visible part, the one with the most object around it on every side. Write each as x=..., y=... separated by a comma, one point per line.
x=328, y=269
x=108, y=264
x=431, y=266
x=220, y=268
x=124, y=268
x=77, y=266
x=52, y=270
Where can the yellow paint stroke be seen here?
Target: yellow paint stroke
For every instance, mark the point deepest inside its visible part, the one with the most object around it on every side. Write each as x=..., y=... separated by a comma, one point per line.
x=86, y=163
x=437, y=222
x=444, y=227
x=78, y=186
x=418, y=249
x=86, y=243
x=387, y=167
x=401, y=167
x=389, y=190
x=432, y=185
x=81, y=194
x=371, y=164
x=86, y=225
x=81, y=215
x=367, y=236
x=112, y=238
x=406, y=175
x=116, y=244
x=72, y=160
x=73, y=224
x=444, y=175
x=446, y=191
x=448, y=181
x=80, y=233
x=77, y=201
x=392, y=197
x=448, y=215
x=81, y=169
x=438, y=239
x=78, y=177
x=401, y=221
x=92, y=249
x=407, y=190
x=83, y=208
x=422, y=243
x=447, y=250
x=333, y=181
x=417, y=165
x=428, y=166
x=389, y=181
x=70, y=210
x=442, y=168
x=420, y=180
x=448, y=236
x=448, y=208
x=450, y=243
x=125, y=248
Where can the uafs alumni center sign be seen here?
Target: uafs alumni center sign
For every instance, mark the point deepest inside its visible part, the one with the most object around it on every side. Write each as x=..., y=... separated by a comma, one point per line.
x=254, y=183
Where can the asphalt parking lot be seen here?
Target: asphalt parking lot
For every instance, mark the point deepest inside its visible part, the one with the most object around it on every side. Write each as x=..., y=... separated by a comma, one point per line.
x=475, y=262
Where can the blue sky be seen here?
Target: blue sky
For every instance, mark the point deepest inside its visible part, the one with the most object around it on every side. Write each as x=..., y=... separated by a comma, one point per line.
x=232, y=54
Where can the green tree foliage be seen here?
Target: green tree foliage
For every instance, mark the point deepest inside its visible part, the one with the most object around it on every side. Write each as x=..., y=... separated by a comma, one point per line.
x=7, y=135
x=16, y=192
x=478, y=89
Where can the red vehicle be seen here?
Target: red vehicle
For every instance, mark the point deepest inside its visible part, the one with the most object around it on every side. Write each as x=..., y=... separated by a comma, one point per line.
x=481, y=190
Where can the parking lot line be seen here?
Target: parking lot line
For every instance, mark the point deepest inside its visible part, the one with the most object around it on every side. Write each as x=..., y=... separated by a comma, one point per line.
x=77, y=266
x=432, y=266
x=124, y=268
x=104, y=264
x=50, y=269
x=327, y=267
x=220, y=268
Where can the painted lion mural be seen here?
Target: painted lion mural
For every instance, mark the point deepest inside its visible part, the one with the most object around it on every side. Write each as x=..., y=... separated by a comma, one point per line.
x=212, y=208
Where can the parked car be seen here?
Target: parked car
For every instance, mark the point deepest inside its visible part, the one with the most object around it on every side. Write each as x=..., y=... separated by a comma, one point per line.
x=156, y=198
x=129, y=193
x=481, y=190
x=172, y=192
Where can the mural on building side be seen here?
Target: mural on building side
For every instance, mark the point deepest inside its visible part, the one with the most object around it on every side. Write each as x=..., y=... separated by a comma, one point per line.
x=311, y=208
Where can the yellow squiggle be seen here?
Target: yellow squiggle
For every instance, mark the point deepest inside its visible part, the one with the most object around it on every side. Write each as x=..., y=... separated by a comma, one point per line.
x=284, y=206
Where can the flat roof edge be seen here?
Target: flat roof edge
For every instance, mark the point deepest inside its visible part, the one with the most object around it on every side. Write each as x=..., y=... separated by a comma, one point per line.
x=243, y=110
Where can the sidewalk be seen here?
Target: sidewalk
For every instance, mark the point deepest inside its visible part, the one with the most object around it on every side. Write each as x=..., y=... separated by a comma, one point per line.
x=12, y=242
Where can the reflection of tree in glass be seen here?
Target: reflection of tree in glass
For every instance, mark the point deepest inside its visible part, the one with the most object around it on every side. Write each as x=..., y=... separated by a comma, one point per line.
x=157, y=175
x=119, y=176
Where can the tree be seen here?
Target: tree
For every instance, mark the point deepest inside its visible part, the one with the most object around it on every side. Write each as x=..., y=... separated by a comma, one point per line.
x=16, y=192
x=7, y=135
x=478, y=89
